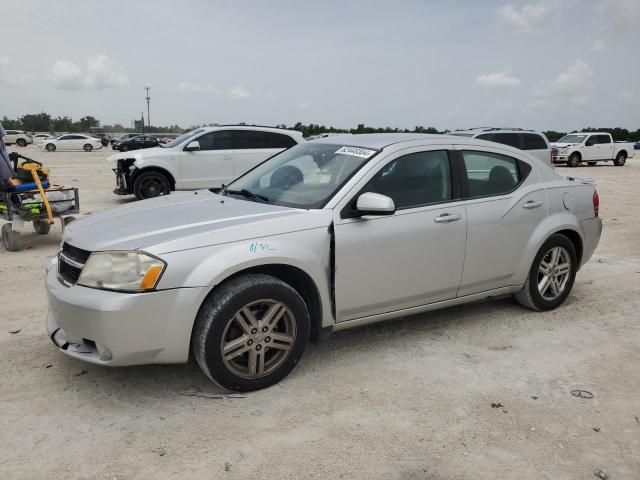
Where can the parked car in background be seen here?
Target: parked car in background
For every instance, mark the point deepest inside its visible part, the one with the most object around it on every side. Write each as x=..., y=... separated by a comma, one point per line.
x=124, y=137
x=72, y=141
x=19, y=137
x=136, y=143
x=636, y=145
x=534, y=143
x=41, y=137
x=204, y=157
x=592, y=147
x=330, y=234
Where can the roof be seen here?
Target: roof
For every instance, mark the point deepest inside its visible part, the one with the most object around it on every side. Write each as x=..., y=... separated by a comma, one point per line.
x=381, y=140
x=254, y=127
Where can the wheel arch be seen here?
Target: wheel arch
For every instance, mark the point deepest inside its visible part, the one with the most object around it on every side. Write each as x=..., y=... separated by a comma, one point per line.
x=626, y=154
x=161, y=170
x=294, y=276
x=576, y=239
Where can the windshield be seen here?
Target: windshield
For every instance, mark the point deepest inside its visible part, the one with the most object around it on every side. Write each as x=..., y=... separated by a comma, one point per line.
x=572, y=139
x=305, y=176
x=177, y=141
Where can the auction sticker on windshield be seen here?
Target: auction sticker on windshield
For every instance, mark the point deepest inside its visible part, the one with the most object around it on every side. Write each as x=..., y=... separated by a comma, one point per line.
x=356, y=151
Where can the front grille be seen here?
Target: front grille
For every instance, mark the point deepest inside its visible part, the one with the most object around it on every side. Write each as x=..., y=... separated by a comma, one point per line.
x=75, y=254
x=70, y=263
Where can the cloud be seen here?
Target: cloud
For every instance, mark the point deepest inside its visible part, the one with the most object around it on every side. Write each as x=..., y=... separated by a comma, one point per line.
x=188, y=87
x=498, y=80
x=238, y=93
x=574, y=84
x=9, y=77
x=622, y=13
x=101, y=72
x=526, y=19
x=597, y=46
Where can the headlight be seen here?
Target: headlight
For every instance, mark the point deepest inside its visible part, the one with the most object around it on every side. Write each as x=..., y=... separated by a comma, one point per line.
x=122, y=271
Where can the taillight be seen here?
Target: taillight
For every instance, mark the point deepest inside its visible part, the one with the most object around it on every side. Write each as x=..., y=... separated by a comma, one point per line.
x=596, y=203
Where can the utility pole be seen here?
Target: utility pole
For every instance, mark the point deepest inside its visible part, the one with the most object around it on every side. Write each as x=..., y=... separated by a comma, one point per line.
x=147, y=88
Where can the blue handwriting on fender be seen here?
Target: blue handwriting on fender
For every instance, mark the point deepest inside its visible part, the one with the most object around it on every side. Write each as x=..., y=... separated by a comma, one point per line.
x=259, y=247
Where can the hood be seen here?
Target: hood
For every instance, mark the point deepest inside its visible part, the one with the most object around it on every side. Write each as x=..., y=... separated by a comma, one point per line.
x=185, y=220
x=561, y=145
x=140, y=154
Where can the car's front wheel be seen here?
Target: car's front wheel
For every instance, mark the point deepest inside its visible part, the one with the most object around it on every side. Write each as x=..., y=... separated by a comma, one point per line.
x=88, y=147
x=250, y=332
x=552, y=274
x=574, y=160
x=151, y=184
x=21, y=142
x=50, y=147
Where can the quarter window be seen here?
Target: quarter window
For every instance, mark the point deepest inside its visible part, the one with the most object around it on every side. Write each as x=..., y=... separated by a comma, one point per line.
x=253, y=139
x=414, y=180
x=490, y=174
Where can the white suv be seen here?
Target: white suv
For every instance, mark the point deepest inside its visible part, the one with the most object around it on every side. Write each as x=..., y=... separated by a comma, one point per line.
x=534, y=143
x=20, y=138
x=202, y=158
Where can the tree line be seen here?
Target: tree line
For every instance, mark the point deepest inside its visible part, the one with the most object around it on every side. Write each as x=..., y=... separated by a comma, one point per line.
x=43, y=122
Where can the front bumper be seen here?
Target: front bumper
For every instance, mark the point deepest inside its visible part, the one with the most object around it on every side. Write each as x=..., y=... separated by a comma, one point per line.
x=115, y=329
x=124, y=175
x=560, y=158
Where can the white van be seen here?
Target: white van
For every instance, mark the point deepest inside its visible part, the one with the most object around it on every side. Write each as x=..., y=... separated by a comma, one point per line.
x=534, y=143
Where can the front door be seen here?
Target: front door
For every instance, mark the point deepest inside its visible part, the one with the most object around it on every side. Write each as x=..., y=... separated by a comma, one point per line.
x=590, y=150
x=411, y=258
x=505, y=205
x=211, y=165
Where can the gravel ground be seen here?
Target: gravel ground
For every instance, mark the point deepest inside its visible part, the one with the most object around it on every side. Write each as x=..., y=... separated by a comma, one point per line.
x=398, y=400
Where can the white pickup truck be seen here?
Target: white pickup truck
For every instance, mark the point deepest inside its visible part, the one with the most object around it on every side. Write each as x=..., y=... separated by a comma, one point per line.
x=590, y=147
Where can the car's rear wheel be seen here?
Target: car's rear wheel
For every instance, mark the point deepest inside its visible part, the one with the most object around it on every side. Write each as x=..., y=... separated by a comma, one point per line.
x=574, y=160
x=620, y=160
x=151, y=184
x=552, y=274
x=88, y=147
x=50, y=147
x=250, y=332
x=21, y=142
x=591, y=164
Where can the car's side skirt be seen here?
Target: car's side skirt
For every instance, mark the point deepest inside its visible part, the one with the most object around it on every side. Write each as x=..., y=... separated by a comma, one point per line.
x=425, y=308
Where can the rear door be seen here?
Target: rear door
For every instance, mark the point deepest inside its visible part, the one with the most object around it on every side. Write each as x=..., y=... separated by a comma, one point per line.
x=411, y=258
x=605, y=147
x=254, y=146
x=505, y=202
x=212, y=165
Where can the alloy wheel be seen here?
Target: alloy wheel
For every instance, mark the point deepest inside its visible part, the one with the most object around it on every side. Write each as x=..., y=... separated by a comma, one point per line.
x=258, y=339
x=554, y=273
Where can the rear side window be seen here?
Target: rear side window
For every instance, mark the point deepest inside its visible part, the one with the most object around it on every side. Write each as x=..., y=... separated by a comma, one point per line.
x=531, y=141
x=414, y=180
x=604, y=138
x=490, y=174
x=511, y=139
x=254, y=139
x=486, y=136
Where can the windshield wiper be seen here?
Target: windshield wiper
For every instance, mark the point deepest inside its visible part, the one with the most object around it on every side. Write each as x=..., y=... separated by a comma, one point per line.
x=256, y=197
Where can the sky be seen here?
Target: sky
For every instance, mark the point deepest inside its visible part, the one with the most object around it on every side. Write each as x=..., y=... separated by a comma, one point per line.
x=548, y=64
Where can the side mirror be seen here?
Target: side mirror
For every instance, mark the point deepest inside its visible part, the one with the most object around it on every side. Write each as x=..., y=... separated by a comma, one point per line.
x=370, y=203
x=193, y=146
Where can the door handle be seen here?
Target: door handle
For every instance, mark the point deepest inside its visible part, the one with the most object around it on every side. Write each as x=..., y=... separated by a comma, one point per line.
x=447, y=217
x=227, y=157
x=533, y=204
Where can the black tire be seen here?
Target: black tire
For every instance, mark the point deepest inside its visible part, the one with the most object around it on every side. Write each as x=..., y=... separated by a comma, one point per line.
x=10, y=238
x=151, y=184
x=50, y=147
x=217, y=315
x=41, y=226
x=124, y=148
x=530, y=295
x=21, y=142
x=591, y=164
x=620, y=160
x=88, y=147
x=66, y=221
x=574, y=160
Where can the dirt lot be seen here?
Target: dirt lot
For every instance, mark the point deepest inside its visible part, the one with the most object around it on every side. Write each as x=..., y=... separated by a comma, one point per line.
x=405, y=399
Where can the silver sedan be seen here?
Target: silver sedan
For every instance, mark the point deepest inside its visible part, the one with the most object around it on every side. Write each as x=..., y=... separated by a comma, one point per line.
x=330, y=234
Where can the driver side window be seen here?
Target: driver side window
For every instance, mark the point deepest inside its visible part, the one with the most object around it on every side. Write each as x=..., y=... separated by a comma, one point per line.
x=220, y=140
x=414, y=180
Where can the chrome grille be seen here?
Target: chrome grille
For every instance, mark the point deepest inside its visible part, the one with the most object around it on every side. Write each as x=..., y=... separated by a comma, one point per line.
x=71, y=260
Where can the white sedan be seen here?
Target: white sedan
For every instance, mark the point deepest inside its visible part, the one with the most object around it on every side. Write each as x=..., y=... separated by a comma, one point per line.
x=72, y=141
